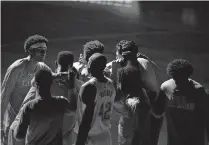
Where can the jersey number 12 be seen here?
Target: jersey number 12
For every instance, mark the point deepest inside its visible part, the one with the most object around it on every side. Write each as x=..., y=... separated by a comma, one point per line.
x=105, y=111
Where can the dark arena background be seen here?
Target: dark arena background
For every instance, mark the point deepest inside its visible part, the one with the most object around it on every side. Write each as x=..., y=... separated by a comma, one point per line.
x=163, y=30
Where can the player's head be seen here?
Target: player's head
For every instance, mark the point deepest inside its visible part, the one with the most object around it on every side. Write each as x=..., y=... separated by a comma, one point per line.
x=180, y=69
x=96, y=64
x=129, y=80
x=64, y=61
x=92, y=47
x=36, y=46
x=43, y=80
x=126, y=49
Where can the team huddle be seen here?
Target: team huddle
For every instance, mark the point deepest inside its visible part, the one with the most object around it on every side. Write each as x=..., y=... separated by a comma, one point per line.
x=73, y=104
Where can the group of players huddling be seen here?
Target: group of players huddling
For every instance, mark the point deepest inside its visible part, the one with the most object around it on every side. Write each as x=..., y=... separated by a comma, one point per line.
x=73, y=105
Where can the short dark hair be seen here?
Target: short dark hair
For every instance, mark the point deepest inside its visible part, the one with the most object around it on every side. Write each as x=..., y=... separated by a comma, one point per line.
x=33, y=40
x=65, y=58
x=129, y=79
x=97, y=63
x=92, y=47
x=43, y=78
x=126, y=47
x=180, y=68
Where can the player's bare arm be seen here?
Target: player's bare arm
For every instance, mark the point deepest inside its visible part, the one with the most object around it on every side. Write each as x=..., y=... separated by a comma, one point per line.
x=87, y=94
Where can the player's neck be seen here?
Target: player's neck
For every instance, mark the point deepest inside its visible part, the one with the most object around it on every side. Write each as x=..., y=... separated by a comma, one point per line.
x=132, y=62
x=182, y=83
x=100, y=78
x=32, y=62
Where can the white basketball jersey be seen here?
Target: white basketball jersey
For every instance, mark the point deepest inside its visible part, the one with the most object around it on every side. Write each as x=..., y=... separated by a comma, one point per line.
x=103, y=107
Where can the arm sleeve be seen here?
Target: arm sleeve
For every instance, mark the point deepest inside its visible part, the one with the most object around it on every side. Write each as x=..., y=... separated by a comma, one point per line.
x=8, y=85
x=21, y=129
x=88, y=94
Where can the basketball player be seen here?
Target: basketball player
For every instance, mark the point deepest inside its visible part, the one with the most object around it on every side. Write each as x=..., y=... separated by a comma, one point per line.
x=60, y=87
x=149, y=80
x=89, y=49
x=41, y=119
x=95, y=104
x=185, y=104
x=132, y=127
x=17, y=80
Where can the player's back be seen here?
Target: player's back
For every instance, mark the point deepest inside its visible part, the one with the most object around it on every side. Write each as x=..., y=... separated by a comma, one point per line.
x=185, y=113
x=103, y=107
x=46, y=119
x=104, y=104
x=58, y=90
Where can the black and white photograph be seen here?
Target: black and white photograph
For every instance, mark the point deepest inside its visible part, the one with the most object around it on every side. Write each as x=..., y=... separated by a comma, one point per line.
x=92, y=72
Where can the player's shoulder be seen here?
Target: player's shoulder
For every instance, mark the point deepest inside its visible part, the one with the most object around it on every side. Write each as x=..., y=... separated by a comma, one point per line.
x=90, y=82
x=144, y=64
x=18, y=64
x=143, y=61
x=89, y=86
x=167, y=85
x=42, y=65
